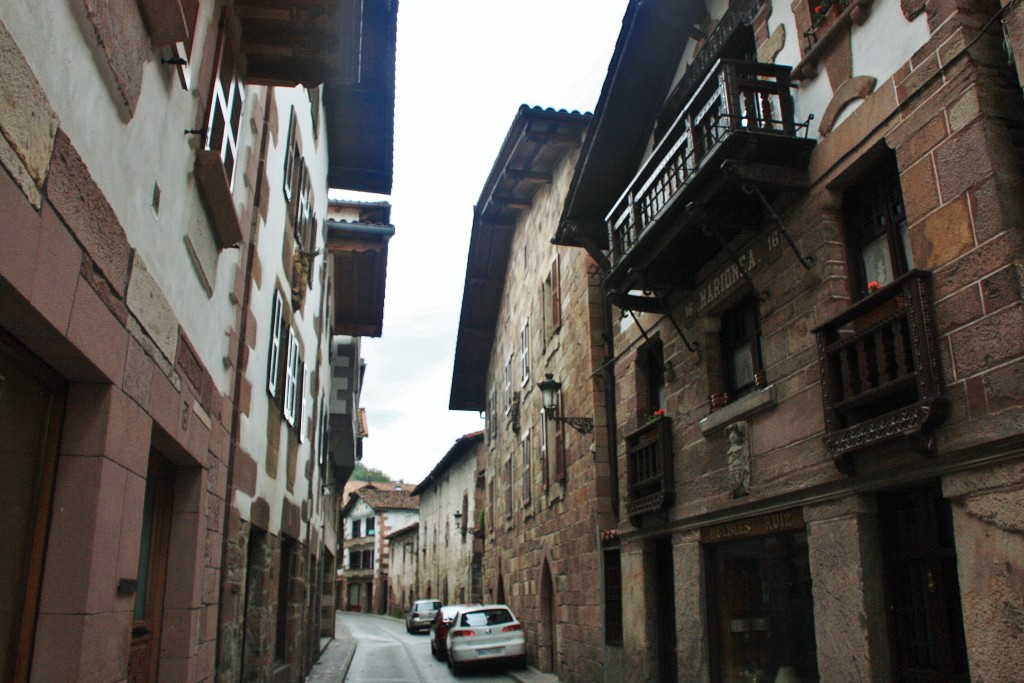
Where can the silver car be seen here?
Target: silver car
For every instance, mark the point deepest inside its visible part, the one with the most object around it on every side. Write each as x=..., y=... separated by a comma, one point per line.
x=489, y=633
x=420, y=614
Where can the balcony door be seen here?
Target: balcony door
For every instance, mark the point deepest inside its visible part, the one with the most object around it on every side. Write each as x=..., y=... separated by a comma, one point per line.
x=926, y=630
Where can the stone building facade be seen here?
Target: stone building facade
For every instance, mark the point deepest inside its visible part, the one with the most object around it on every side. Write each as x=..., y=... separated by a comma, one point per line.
x=368, y=519
x=403, y=569
x=530, y=309
x=451, y=526
x=163, y=178
x=818, y=382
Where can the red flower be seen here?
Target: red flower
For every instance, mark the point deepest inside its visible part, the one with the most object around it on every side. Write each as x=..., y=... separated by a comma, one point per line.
x=819, y=9
x=873, y=286
x=659, y=412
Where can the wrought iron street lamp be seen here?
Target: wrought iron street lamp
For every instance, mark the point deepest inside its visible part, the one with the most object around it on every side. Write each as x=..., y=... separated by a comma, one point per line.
x=549, y=388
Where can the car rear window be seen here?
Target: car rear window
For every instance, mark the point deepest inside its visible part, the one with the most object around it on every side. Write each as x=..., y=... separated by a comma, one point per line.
x=428, y=605
x=487, y=617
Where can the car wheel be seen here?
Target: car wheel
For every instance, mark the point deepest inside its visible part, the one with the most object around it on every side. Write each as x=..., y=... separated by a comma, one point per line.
x=519, y=663
x=457, y=668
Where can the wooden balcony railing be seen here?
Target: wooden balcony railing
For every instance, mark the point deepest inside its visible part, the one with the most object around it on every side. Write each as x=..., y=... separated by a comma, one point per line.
x=650, y=469
x=881, y=371
x=735, y=96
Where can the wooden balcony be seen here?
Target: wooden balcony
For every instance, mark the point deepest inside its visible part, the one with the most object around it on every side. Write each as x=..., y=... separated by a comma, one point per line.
x=650, y=469
x=736, y=130
x=881, y=372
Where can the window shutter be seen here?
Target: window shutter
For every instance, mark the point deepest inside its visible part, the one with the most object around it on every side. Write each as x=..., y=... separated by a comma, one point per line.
x=274, y=354
x=170, y=21
x=556, y=294
x=300, y=402
x=560, y=469
x=291, y=157
x=291, y=379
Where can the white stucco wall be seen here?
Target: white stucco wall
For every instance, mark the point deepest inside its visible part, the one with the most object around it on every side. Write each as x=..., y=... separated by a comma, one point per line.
x=126, y=158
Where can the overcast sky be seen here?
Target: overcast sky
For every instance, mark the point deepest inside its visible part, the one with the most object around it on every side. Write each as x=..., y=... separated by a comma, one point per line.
x=464, y=68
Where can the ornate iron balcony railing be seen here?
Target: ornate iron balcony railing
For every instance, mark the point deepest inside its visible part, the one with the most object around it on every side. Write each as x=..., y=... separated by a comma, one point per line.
x=735, y=97
x=881, y=372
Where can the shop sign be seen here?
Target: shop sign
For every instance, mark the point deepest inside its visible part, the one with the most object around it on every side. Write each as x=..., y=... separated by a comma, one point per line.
x=728, y=279
x=772, y=523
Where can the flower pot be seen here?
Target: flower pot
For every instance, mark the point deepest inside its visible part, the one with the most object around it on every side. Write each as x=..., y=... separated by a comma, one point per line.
x=826, y=23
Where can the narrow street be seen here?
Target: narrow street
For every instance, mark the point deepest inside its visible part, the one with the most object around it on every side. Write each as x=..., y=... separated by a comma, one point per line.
x=386, y=653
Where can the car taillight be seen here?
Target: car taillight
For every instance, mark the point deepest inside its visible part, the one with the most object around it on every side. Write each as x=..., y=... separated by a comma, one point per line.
x=415, y=615
x=512, y=627
x=456, y=634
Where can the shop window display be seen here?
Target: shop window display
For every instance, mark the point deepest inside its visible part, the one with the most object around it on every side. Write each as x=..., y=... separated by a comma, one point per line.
x=761, y=619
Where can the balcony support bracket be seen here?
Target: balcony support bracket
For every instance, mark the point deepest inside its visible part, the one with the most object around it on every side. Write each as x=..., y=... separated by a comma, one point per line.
x=712, y=231
x=624, y=302
x=806, y=261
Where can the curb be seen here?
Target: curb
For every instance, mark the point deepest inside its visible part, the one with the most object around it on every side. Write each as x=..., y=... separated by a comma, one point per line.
x=348, y=662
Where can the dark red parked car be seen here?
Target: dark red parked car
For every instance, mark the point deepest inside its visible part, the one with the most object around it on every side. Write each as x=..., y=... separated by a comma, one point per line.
x=439, y=628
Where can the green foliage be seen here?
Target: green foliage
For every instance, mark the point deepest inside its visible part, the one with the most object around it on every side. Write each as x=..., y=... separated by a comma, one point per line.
x=363, y=473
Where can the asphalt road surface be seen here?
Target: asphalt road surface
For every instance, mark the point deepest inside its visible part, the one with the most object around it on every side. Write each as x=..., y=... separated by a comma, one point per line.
x=387, y=654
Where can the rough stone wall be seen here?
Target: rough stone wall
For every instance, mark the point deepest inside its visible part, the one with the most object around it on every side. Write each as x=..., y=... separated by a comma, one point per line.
x=553, y=532
x=952, y=116
x=988, y=515
x=450, y=559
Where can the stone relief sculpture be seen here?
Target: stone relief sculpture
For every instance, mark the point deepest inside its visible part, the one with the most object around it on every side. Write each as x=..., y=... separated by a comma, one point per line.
x=738, y=458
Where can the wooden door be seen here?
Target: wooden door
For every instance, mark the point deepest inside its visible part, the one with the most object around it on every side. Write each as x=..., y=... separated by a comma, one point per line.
x=32, y=399
x=144, y=659
x=926, y=631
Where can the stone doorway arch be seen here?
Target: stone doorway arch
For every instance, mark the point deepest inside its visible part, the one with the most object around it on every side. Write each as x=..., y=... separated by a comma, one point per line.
x=548, y=636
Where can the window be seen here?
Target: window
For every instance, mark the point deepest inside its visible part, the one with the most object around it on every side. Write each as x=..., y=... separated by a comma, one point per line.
x=357, y=528
x=223, y=121
x=508, y=489
x=276, y=330
x=370, y=526
x=741, y=349
x=613, y=596
x=545, y=458
x=876, y=224
x=551, y=307
x=293, y=380
x=492, y=424
x=507, y=395
x=559, y=440
x=760, y=610
x=527, y=470
x=524, y=353
x=650, y=376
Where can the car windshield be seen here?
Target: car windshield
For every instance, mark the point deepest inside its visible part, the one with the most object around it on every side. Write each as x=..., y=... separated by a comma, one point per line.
x=488, y=617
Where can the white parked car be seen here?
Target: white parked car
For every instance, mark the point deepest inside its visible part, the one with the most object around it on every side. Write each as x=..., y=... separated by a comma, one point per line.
x=487, y=633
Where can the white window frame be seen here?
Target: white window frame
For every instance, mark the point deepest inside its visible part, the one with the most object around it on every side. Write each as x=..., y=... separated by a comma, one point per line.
x=508, y=385
x=524, y=353
x=291, y=377
x=227, y=101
